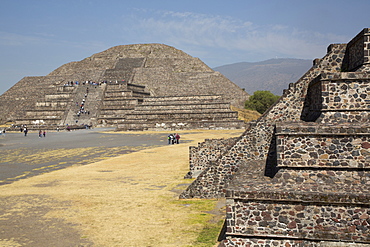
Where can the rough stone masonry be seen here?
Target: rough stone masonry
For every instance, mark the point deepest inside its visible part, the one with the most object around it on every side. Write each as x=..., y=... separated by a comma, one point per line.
x=299, y=175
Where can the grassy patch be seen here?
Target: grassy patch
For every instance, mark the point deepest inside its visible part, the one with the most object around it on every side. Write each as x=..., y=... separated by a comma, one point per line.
x=207, y=225
x=209, y=235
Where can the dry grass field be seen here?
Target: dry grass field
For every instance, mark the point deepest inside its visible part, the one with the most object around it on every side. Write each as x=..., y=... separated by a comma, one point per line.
x=129, y=200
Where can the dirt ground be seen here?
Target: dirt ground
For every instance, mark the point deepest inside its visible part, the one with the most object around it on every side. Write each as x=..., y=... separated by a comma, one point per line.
x=128, y=200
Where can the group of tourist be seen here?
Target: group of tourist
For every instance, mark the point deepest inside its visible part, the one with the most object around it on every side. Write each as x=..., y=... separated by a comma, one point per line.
x=76, y=83
x=72, y=83
x=82, y=106
x=173, y=138
x=24, y=129
x=42, y=133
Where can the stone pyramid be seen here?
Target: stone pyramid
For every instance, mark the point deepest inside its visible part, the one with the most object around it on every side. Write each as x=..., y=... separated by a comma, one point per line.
x=118, y=80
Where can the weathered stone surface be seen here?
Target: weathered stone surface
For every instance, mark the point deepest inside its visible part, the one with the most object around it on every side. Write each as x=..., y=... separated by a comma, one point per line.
x=304, y=165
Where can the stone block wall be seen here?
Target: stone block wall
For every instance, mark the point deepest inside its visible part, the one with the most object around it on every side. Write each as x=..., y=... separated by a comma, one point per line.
x=357, y=55
x=300, y=220
x=301, y=145
x=206, y=152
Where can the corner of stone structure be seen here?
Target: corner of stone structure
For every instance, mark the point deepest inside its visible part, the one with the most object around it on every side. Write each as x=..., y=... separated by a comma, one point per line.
x=321, y=160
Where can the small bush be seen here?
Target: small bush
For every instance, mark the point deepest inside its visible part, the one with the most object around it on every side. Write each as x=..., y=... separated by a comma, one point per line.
x=260, y=101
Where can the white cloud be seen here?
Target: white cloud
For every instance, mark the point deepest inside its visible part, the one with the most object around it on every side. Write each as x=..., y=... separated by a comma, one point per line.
x=183, y=29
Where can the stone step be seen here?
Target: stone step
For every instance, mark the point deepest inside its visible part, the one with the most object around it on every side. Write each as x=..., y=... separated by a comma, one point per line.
x=184, y=98
x=188, y=106
x=58, y=97
x=120, y=102
x=209, y=112
x=115, y=113
x=125, y=94
x=33, y=118
x=135, y=87
x=117, y=108
x=342, y=179
x=46, y=109
x=36, y=122
x=41, y=114
x=120, y=86
x=177, y=125
x=66, y=89
x=112, y=121
x=317, y=146
x=51, y=104
x=183, y=116
x=184, y=101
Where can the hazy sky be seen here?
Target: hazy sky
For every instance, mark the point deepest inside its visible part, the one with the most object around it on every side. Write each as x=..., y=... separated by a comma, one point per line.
x=38, y=36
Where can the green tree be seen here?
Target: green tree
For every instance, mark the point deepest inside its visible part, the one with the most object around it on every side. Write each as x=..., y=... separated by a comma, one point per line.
x=261, y=100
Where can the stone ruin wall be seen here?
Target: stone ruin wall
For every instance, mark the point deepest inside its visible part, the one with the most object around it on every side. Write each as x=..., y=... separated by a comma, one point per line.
x=208, y=151
x=255, y=143
x=299, y=221
x=323, y=147
x=297, y=202
x=357, y=58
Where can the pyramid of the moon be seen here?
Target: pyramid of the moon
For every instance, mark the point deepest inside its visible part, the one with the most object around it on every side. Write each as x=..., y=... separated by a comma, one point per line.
x=141, y=86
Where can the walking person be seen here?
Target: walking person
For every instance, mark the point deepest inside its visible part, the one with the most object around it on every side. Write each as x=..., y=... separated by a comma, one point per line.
x=40, y=133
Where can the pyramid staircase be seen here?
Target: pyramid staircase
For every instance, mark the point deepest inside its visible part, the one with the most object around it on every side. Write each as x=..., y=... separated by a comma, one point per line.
x=90, y=95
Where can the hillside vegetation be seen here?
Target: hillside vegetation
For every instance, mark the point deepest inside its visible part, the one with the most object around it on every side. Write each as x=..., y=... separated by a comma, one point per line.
x=246, y=114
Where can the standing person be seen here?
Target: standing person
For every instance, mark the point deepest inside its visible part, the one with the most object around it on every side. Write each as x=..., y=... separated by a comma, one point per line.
x=25, y=130
x=177, y=136
x=173, y=139
x=170, y=138
x=40, y=133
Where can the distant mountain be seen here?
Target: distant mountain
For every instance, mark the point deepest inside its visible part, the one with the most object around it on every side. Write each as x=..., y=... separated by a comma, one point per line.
x=273, y=75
